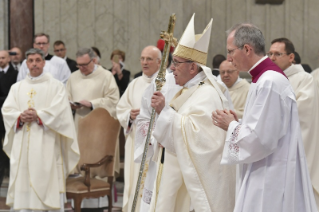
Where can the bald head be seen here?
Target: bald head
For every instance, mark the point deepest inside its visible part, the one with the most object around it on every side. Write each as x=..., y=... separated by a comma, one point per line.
x=4, y=59
x=150, y=60
x=228, y=73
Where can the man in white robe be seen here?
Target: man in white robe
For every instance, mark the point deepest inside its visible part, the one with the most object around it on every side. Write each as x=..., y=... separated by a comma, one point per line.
x=307, y=97
x=184, y=127
x=127, y=110
x=40, y=139
x=54, y=65
x=238, y=88
x=89, y=88
x=267, y=144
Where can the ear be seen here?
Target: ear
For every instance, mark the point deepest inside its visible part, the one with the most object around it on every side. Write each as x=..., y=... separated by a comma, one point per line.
x=247, y=49
x=291, y=57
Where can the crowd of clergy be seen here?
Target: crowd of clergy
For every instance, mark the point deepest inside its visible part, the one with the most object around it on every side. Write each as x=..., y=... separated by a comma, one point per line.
x=232, y=143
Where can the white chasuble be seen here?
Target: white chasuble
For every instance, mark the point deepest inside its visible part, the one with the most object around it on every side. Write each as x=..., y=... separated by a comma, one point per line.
x=267, y=144
x=238, y=94
x=307, y=96
x=131, y=99
x=41, y=156
x=57, y=67
x=186, y=129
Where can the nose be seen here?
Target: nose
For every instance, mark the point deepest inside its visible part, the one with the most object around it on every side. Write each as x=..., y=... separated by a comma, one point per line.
x=272, y=57
x=229, y=58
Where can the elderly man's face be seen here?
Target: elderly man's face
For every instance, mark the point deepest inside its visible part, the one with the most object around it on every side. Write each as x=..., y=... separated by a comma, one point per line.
x=183, y=70
x=35, y=64
x=279, y=55
x=16, y=58
x=85, y=64
x=4, y=59
x=149, y=61
x=42, y=43
x=60, y=50
x=235, y=54
x=228, y=73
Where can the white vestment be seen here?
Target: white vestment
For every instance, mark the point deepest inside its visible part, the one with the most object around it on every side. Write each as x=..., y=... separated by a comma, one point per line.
x=41, y=156
x=57, y=67
x=238, y=94
x=267, y=144
x=131, y=99
x=185, y=128
x=173, y=197
x=307, y=97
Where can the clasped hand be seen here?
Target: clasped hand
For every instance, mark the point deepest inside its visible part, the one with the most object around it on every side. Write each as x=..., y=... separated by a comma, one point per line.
x=29, y=115
x=222, y=118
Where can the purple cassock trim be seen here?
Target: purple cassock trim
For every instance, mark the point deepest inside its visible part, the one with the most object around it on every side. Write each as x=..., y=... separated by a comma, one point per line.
x=266, y=65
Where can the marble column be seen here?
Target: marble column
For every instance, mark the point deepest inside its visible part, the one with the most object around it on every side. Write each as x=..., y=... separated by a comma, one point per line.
x=3, y=24
x=21, y=24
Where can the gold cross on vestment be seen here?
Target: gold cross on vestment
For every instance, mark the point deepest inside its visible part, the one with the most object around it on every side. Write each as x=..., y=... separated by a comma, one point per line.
x=32, y=93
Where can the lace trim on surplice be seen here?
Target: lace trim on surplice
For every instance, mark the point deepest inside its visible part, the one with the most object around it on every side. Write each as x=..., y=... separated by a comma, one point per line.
x=233, y=148
x=147, y=196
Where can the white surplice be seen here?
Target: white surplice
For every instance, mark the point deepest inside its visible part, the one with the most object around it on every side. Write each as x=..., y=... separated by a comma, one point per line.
x=307, y=96
x=267, y=145
x=41, y=156
x=57, y=67
x=171, y=178
x=131, y=99
x=185, y=128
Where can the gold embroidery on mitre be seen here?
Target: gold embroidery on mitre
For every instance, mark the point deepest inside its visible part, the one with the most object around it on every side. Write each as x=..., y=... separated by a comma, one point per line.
x=191, y=54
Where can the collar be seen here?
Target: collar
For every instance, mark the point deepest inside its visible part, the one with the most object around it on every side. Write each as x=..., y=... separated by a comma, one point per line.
x=195, y=80
x=35, y=78
x=258, y=62
x=48, y=57
x=65, y=57
x=237, y=81
x=5, y=70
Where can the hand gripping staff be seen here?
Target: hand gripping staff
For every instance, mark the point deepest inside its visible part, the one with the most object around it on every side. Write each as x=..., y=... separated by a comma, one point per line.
x=160, y=81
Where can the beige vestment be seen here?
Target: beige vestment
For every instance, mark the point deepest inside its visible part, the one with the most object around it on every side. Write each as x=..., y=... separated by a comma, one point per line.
x=131, y=99
x=41, y=157
x=306, y=91
x=238, y=94
x=315, y=74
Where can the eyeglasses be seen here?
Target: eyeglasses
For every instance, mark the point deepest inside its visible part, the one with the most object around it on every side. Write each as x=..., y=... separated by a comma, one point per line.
x=176, y=63
x=83, y=65
x=276, y=54
x=231, y=51
x=59, y=50
x=41, y=44
x=228, y=72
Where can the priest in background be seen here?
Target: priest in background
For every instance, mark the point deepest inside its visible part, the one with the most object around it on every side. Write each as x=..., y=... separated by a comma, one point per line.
x=238, y=88
x=56, y=66
x=127, y=110
x=272, y=173
x=89, y=88
x=40, y=139
x=184, y=126
x=281, y=52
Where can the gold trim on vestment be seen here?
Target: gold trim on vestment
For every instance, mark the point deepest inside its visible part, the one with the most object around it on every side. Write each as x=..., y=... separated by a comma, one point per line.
x=191, y=54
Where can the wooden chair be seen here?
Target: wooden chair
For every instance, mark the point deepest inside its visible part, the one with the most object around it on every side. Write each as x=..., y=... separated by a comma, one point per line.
x=97, y=136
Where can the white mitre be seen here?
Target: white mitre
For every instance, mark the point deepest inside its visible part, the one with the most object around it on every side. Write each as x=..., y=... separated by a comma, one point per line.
x=194, y=47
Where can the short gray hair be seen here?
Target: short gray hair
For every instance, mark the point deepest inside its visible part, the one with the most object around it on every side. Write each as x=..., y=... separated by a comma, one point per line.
x=246, y=33
x=84, y=51
x=34, y=51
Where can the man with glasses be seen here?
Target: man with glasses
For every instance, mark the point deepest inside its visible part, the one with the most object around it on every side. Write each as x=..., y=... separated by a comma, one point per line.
x=91, y=86
x=281, y=52
x=184, y=126
x=56, y=66
x=60, y=51
x=266, y=143
x=238, y=88
x=16, y=58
